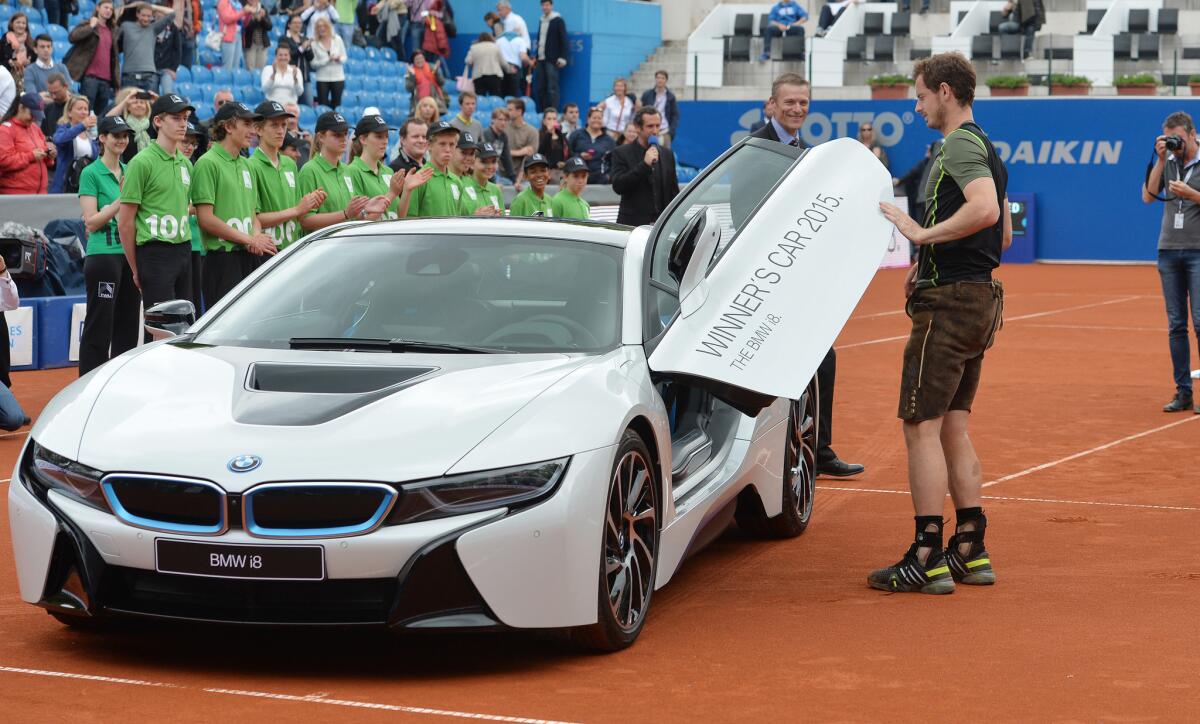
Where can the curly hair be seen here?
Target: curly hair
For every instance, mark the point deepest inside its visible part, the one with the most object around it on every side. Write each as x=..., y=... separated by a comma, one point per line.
x=952, y=69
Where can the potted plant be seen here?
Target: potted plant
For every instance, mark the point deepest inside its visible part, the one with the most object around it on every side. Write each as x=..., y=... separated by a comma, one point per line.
x=1138, y=84
x=889, y=87
x=1008, y=85
x=1069, y=85
x=1194, y=84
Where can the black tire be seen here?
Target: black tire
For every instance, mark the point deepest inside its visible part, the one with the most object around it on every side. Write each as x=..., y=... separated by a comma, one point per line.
x=79, y=623
x=629, y=544
x=799, y=475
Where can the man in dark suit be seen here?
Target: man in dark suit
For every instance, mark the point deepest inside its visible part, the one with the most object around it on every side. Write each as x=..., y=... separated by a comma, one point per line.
x=787, y=108
x=643, y=174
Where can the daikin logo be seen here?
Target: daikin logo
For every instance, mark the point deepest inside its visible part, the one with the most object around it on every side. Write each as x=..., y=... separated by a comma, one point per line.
x=1060, y=153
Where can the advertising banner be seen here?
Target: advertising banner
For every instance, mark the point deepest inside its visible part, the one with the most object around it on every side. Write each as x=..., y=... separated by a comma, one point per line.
x=20, y=336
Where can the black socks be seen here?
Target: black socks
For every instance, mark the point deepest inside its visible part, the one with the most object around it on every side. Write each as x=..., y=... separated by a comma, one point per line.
x=966, y=515
x=929, y=535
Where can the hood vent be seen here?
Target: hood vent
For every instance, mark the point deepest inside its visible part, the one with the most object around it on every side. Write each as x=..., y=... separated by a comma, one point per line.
x=328, y=378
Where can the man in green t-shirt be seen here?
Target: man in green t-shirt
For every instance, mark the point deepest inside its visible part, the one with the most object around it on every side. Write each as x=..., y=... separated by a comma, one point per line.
x=481, y=197
x=534, y=201
x=442, y=195
x=279, y=205
x=568, y=203
x=225, y=199
x=153, y=220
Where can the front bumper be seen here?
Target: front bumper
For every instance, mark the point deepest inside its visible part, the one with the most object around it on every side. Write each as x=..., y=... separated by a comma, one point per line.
x=533, y=568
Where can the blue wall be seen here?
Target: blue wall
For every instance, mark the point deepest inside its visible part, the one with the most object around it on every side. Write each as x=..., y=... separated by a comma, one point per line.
x=1083, y=158
x=622, y=34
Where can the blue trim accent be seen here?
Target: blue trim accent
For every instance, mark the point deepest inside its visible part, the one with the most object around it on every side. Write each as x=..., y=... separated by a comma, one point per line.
x=254, y=529
x=162, y=525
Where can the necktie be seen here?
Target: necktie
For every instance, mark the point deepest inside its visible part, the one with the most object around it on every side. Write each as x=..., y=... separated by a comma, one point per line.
x=795, y=142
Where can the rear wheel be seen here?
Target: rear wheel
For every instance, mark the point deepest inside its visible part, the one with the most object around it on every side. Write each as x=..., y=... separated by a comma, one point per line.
x=799, y=475
x=629, y=549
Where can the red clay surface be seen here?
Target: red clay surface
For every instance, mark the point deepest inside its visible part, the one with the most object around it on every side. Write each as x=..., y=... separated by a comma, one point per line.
x=1093, y=619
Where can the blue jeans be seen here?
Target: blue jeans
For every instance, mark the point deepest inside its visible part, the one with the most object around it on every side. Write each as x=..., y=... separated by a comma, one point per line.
x=774, y=32
x=346, y=30
x=231, y=54
x=1180, y=273
x=12, y=417
x=99, y=93
x=545, y=85
x=416, y=34
x=147, y=80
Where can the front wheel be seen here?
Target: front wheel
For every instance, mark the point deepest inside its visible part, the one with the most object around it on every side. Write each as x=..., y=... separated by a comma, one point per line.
x=628, y=551
x=799, y=474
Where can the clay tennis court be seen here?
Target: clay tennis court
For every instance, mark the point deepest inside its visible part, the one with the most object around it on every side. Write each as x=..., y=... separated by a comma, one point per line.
x=1094, y=500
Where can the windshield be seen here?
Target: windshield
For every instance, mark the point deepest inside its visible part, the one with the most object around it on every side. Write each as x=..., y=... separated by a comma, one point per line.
x=510, y=294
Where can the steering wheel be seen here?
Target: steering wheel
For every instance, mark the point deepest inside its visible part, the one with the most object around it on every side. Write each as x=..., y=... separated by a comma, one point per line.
x=582, y=333
x=542, y=325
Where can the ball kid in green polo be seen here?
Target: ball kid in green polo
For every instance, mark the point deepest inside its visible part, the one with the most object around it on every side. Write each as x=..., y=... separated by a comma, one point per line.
x=371, y=175
x=279, y=205
x=481, y=196
x=442, y=195
x=568, y=203
x=534, y=201
x=326, y=171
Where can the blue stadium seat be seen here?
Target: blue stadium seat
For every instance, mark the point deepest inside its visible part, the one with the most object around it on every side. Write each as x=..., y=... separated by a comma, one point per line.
x=183, y=74
x=187, y=89
x=388, y=54
x=57, y=33
x=372, y=53
x=243, y=77
x=308, y=117
x=222, y=77
x=356, y=53
x=200, y=74
x=60, y=49
x=204, y=111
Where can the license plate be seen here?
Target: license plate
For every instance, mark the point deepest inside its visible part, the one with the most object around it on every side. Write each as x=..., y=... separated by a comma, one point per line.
x=236, y=560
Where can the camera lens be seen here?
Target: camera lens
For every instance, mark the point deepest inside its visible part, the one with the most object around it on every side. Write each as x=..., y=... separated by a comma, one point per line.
x=1173, y=143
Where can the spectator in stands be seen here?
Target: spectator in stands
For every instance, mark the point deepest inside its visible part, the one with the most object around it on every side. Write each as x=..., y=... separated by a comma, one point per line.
x=17, y=63
x=256, y=30
x=168, y=53
x=133, y=104
x=1025, y=17
x=568, y=203
x=435, y=43
x=830, y=12
x=291, y=148
x=496, y=135
x=486, y=64
x=38, y=73
x=570, y=119
x=592, y=144
x=8, y=89
x=301, y=51
x=58, y=92
x=230, y=16
x=345, y=23
x=630, y=135
x=92, y=59
x=618, y=109
x=786, y=18
x=326, y=171
x=534, y=201
x=522, y=137
x=552, y=54
x=513, y=23
x=906, y=5
x=479, y=192
x=515, y=51
x=410, y=152
x=464, y=120
x=425, y=80
x=416, y=26
x=643, y=174
x=76, y=148
x=283, y=82
x=916, y=180
x=138, y=40
x=393, y=23
x=319, y=9
x=866, y=136
x=25, y=157
x=110, y=324
x=302, y=142
x=193, y=23
x=427, y=112
x=329, y=58
x=18, y=35
x=552, y=143
x=661, y=97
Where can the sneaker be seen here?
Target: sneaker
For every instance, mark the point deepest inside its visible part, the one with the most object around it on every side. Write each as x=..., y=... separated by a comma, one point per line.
x=910, y=576
x=974, y=568
x=763, y=58
x=1179, y=403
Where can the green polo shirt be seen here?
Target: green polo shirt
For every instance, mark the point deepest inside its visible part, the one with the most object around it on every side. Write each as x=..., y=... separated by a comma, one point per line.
x=160, y=185
x=334, y=180
x=372, y=183
x=569, y=206
x=476, y=196
x=277, y=189
x=527, y=204
x=98, y=182
x=440, y=196
x=225, y=182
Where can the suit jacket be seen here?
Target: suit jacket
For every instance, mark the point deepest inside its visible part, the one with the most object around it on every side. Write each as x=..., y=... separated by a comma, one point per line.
x=672, y=118
x=745, y=194
x=768, y=132
x=645, y=190
x=557, y=46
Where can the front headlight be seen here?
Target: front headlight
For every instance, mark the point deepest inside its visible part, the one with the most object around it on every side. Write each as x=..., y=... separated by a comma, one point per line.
x=47, y=470
x=458, y=494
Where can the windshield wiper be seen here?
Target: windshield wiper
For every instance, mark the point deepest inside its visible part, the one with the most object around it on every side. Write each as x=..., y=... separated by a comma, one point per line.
x=369, y=344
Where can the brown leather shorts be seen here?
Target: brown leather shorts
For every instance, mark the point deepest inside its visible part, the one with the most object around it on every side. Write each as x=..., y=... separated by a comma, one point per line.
x=952, y=326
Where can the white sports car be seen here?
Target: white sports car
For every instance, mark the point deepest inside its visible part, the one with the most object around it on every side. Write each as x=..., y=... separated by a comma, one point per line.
x=462, y=423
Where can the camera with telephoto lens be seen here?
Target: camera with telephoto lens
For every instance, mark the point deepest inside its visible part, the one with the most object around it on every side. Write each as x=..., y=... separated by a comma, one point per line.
x=1174, y=143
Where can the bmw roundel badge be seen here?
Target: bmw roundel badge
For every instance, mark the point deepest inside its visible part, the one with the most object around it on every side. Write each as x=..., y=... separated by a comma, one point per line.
x=244, y=463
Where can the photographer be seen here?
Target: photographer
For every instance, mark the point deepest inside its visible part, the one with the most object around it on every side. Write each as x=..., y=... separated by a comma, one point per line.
x=1174, y=175
x=12, y=417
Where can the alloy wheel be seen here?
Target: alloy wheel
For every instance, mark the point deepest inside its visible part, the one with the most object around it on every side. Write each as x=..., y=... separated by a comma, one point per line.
x=631, y=539
x=801, y=459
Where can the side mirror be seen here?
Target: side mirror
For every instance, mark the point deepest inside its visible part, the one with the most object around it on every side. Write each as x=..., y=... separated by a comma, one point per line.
x=691, y=255
x=169, y=319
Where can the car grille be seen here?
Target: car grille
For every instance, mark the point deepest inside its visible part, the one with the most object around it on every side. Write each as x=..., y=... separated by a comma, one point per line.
x=177, y=505
x=315, y=510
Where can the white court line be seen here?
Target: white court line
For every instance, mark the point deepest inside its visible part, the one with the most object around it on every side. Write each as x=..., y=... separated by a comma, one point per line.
x=1162, y=330
x=1024, y=500
x=309, y=699
x=13, y=434
x=1007, y=320
x=1098, y=448
x=878, y=314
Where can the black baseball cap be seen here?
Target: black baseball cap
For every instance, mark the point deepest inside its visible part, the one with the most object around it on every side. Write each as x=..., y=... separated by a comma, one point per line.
x=113, y=124
x=466, y=140
x=487, y=150
x=192, y=128
x=332, y=121
x=439, y=128
x=170, y=103
x=575, y=164
x=536, y=159
x=35, y=104
x=236, y=109
x=371, y=123
x=271, y=109
x=290, y=139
